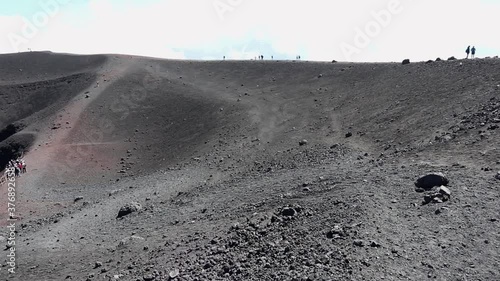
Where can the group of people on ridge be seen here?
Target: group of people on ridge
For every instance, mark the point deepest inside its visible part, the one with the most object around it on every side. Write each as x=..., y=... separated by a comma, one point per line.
x=470, y=51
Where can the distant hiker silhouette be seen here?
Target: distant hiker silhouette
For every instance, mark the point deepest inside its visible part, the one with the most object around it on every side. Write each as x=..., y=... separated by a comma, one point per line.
x=473, y=52
x=467, y=51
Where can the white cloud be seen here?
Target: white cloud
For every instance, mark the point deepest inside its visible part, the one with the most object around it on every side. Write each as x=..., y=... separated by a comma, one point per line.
x=315, y=29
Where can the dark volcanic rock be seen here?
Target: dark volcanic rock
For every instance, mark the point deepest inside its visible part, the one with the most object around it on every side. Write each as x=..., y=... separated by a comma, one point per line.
x=288, y=212
x=431, y=180
x=128, y=209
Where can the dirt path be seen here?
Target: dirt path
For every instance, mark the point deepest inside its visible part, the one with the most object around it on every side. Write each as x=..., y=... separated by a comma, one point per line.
x=39, y=160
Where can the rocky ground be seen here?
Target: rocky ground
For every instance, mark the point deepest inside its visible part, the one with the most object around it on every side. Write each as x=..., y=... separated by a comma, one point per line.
x=145, y=169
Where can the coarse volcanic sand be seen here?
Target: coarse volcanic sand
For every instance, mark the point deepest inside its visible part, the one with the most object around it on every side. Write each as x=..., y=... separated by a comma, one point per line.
x=214, y=154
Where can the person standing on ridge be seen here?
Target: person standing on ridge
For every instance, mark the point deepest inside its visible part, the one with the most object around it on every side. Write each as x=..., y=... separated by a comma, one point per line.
x=473, y=52
x=467, y=51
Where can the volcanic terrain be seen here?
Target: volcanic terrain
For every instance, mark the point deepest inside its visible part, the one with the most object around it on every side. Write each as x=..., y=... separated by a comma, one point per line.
x=151, y=169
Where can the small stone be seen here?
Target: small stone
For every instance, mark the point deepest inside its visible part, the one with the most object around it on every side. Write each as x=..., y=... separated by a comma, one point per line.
x=78, y=198
x=288, y=212
x=441, y=210
x=437, y=200
x=98, y=264
x=149, y=277
x=428, y=198
x=406, y=61
x=348, y=135
x=113, y=192
x=173, y=274
x=359, y=243
x=497, y=176
x=374, y=244
x=303, y=142
x=444, y=190
x=419, y=189
x=335, y=232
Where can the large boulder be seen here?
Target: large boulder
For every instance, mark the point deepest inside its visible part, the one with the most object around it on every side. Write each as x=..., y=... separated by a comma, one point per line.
x=431, y=180
x=128, y=209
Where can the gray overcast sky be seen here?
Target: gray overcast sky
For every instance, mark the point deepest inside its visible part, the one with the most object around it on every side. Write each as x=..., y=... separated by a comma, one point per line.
x=363, y=30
